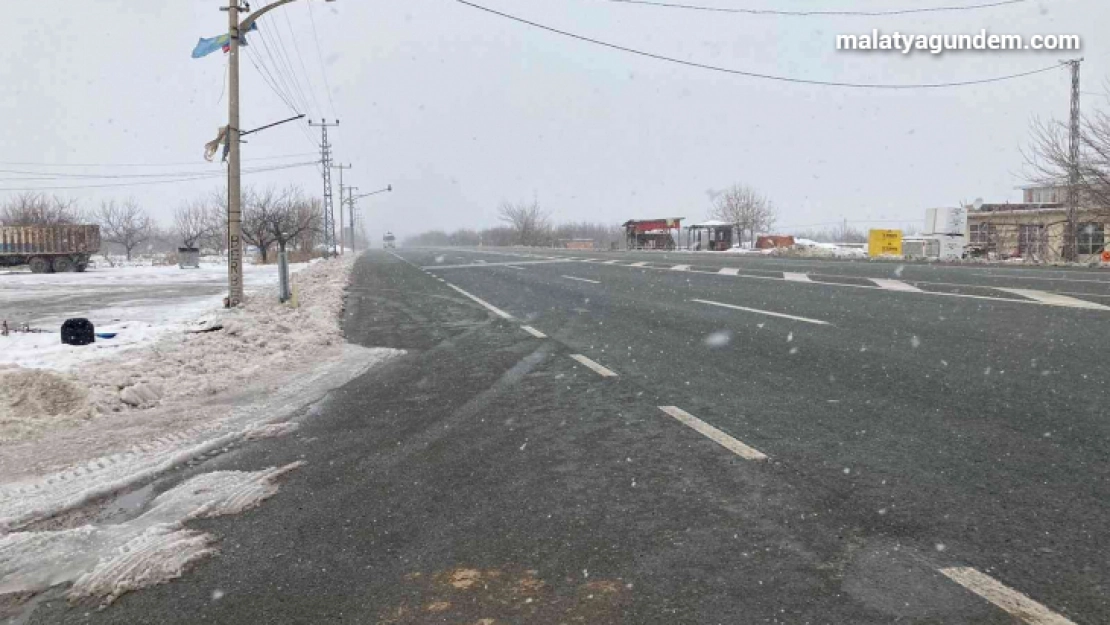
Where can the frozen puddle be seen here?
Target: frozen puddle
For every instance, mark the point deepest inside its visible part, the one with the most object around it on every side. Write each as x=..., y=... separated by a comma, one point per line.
x=106, y=561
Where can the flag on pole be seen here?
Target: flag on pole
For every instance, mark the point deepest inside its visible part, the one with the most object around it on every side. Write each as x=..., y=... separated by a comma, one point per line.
x=208, y=45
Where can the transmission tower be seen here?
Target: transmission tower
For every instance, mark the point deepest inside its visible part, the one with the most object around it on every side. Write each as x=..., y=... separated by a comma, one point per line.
x=325, y=163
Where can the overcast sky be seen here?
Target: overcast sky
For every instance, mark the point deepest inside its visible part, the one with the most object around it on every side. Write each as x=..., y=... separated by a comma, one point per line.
x=460, y=110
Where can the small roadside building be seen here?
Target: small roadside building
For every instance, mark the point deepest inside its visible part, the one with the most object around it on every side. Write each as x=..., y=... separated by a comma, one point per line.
x=651, y=234
x=1034, y=229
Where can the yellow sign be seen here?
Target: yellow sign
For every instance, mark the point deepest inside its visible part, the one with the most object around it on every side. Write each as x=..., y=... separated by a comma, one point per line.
x=884, y=243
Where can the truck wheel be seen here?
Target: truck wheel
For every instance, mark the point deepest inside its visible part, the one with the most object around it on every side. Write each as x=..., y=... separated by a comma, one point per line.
x=81, y=265
x=64, y=264
x=38, y=264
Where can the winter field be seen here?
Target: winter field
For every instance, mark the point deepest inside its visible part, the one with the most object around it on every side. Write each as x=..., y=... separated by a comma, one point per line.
x=78, y=423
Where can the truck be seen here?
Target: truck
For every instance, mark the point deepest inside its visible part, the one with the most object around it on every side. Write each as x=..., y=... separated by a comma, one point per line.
x=49, y=249
x=389, y=241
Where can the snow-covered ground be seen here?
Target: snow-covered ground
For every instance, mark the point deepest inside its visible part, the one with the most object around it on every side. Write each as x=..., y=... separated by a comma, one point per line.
x=140, y=304
x=70, y=436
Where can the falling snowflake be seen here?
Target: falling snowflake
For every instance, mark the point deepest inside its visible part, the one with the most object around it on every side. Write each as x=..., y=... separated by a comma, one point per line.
x=915, y=342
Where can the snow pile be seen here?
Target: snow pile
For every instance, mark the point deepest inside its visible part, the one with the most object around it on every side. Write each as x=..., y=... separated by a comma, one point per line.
x=107, y=561
x=816, y=249
x=33, y=399
x=240, y=346
x=243, y=344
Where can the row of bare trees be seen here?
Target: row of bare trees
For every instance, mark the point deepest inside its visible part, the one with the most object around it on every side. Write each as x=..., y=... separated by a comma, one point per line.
x=272, y=217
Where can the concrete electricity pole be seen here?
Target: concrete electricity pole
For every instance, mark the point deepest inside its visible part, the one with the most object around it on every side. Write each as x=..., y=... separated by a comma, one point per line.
x=342, y=238
x=234, y=162
x=234, y=190
x=1071, y=251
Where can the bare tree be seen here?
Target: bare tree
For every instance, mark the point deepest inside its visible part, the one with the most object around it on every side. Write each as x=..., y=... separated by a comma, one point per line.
x=747, y=209
x=529, y=222
x=37, y=209
x=1049, y=158
x=294, y=217
x=257, y=209
x=124, y=223
x=192, y=223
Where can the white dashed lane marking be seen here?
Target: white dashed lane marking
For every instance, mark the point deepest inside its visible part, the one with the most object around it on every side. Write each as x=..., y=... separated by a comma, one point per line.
x=795, y=277
x=1054, y=299
x=761, y=312
x=1010, y=600
x=534, y=332
x=642, y=263
x=681, y=268
x=729, y=271
x=713, y=434
x=583, y=279
x=895, y=285
x=598, y=369
x=495, y=310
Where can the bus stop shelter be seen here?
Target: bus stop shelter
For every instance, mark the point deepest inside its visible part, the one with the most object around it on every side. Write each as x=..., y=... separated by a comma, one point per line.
x=651, y=234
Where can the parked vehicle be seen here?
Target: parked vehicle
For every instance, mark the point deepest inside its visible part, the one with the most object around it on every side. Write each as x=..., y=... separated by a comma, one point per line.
x=47, y=249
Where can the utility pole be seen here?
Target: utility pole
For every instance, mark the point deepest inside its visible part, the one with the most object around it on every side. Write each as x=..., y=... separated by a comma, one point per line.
x=329, y=207
x=351, y=212
x=234, y=190
x=234, y=170
x=342, y=239
x=1071, y=252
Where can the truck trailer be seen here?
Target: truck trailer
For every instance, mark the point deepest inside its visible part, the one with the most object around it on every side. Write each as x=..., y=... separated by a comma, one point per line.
x=48, y=249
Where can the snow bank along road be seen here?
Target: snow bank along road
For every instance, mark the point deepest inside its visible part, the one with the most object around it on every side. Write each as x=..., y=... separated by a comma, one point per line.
x=683, y=440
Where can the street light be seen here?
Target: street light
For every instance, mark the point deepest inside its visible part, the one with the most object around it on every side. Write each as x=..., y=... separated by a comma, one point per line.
x=351, y=207
x=234, y=173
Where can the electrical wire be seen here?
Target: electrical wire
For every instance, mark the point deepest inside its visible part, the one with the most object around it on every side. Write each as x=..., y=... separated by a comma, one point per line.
x=189, y=178
x=270, y=81
x=737, y=72
x=320, y=57
x=287, y=66
x=300, y=60
x=272, y=84
x=671, y=5
x=179, y=164
x=279, y=76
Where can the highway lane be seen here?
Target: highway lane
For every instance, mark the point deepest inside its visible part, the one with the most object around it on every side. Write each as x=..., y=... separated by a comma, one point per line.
x=967, y=420
x=1085, y=282
x=492, y=473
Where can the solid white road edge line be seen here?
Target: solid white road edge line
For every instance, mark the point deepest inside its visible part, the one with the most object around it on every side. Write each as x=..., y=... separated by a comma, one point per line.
x=713, y=434
x=495, y=310
x=514, y=267
x=895, y=285
x=1004, y=597
x=598, y=369
x=534, y=332
x=583, y=280
x=761, y=312
x=795, y=277
x=1054, y=299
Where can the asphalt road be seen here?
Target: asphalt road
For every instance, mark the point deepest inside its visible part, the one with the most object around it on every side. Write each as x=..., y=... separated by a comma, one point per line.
x=838, y=443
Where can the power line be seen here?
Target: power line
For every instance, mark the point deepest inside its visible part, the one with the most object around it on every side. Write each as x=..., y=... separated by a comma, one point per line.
x=320, y=57
x=270, y=81
x=172, y=181
x=281, y=78
x=300, y=59
x=671, y=5
x=179, y=164
x=726, y=70
x=294, y=79
x=272, y=84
